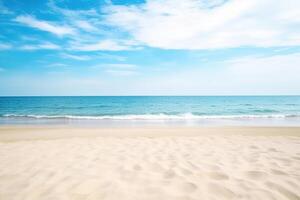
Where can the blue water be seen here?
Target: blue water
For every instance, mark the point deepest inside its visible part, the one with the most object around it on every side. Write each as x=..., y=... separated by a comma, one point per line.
x=183, y=108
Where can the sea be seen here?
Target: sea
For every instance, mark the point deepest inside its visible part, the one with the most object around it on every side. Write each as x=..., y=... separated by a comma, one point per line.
x=151, y=110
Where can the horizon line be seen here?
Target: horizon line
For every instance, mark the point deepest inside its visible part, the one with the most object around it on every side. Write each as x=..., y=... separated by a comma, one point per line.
x=229, y=95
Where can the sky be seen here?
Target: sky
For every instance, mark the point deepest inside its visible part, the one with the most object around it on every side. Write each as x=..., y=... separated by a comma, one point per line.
x=152, y=47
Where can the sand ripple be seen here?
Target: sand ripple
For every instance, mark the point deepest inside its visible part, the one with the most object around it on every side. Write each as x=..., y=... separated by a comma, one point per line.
x=137, y=168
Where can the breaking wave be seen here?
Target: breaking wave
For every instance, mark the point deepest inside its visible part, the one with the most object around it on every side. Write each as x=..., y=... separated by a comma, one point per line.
x=185, y=116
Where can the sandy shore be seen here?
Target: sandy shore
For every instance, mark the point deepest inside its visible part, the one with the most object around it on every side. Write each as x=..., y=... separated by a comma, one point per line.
x=43, y=163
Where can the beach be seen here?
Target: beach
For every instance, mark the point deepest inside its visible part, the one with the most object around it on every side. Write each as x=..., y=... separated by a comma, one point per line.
x=150, y=100
x=65, y=162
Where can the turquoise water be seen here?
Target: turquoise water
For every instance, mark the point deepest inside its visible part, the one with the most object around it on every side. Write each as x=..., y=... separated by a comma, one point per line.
x=180, y=108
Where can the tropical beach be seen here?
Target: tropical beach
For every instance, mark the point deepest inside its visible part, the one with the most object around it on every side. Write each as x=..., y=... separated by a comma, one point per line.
x=149, y=100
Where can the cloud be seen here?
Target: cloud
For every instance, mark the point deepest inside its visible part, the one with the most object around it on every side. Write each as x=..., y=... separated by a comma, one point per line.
x=59, y=30
x=29, y=38
x=121, y=69
x=118, y=69
x=72, y=13
x=82, y=19
x=5, y=46
x=75, y=57
x=94, y=35
x=1, y=69
x=57, y=65
x=4, y=10
x=118, y=66
x=46, y=45
x=85, y=25
x=202, y=24
x=116, y=72
x=104, y=45
x=111, y=57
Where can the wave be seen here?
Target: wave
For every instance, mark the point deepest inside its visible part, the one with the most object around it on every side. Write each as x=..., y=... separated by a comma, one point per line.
x=186, y=116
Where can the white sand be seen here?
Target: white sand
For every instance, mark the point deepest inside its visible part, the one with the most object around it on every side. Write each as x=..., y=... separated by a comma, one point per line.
x=198, y=167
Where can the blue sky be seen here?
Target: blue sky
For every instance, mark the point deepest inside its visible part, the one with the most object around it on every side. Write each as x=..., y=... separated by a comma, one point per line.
x=154, y=47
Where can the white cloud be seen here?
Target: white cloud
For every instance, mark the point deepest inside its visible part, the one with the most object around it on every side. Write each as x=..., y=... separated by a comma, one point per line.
x=202, y=24
x=46, y=45
x=5, y=46
x=104, y=45
x=122, y=66
x=79, y=18
x=76, y=57
x=118, y=69
x=116, y=72
x=84, y=29
x=85, y=25
x=59, y=30
x=71, y=13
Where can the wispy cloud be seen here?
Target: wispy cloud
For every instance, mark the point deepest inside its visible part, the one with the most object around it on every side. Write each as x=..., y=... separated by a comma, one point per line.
x=82, y=19
x=190, y=24
x=116, y=72
x=104, y=45
x=118, y=69
x=75, y=57
x=57, y=65
x=116, y=66
x=57, y=29
x=29, y=38
x=5, y=46
x=85, y=25
x=72, y=13
x=111, y=57
x=120, y=66
x=4, y=10
x=45, y=45
x=85, y=30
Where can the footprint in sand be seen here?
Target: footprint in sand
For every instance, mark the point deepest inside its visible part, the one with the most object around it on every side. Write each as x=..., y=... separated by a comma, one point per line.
x=277, y=172
x=255, y=174
x=169, y=174
x=253, y=147
x=272, y=150
x=137, y=167
x=217, y=176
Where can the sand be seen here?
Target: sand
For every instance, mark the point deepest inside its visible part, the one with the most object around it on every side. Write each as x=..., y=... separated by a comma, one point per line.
x=43, y=163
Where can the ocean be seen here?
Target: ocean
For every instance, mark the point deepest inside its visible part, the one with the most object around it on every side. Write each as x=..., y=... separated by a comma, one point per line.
x=178, y=110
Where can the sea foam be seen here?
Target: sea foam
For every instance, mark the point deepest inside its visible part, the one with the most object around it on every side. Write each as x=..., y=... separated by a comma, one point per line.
x=161, y=116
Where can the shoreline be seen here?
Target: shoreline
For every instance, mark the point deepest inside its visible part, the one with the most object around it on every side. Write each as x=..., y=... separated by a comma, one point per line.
x=37, y=132
x=187, y=123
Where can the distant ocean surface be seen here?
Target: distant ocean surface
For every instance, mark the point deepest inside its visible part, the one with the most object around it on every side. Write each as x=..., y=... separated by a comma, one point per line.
x=160, y=109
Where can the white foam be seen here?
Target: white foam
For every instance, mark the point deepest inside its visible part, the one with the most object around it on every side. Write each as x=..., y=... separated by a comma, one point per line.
x=185, y=116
